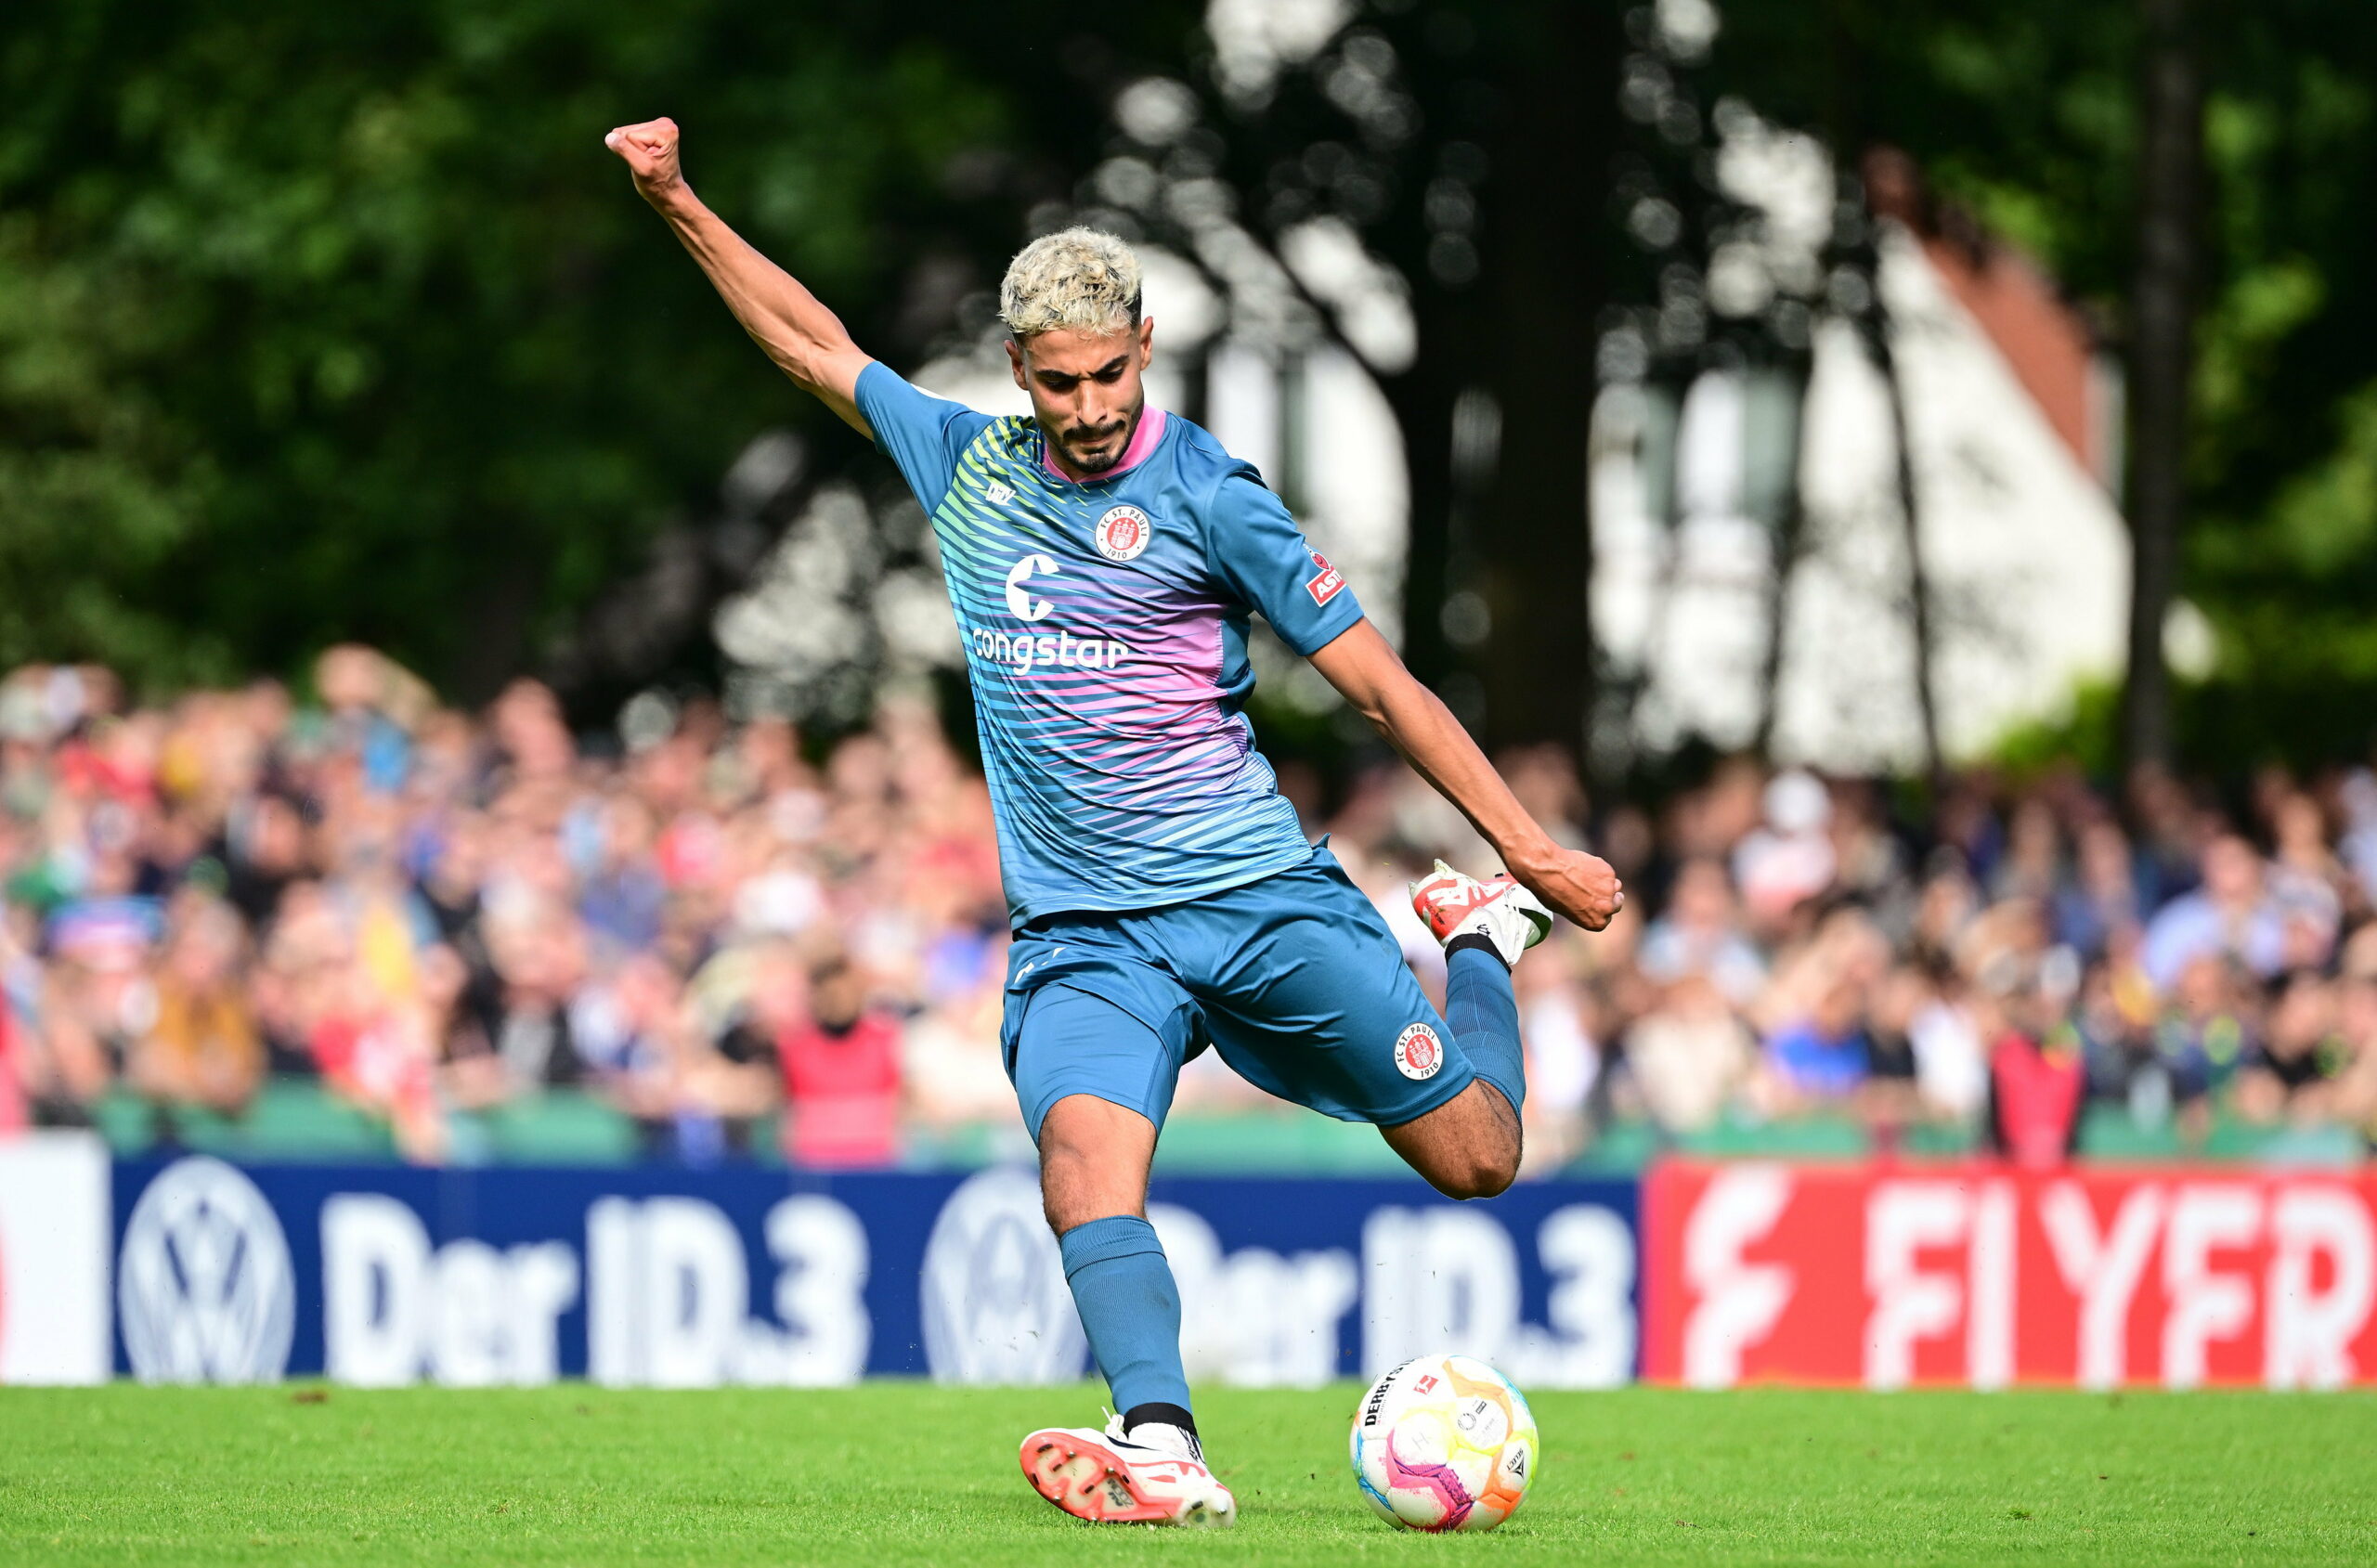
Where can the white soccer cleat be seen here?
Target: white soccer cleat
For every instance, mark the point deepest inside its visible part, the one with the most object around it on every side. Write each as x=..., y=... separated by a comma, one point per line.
x=1504, y=912
x=1158, y=1478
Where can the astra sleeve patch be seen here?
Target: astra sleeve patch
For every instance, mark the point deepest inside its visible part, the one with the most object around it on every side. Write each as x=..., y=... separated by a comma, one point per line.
x=1325, y=587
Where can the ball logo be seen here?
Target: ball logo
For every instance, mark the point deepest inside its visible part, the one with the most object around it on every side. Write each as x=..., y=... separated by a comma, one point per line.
x=1484, y=1424
x=1122, y=533
x=1418, y=1052
x=204, y=1289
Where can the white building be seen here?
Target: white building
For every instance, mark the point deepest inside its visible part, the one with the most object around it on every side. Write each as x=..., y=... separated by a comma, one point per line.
x=2025, y=556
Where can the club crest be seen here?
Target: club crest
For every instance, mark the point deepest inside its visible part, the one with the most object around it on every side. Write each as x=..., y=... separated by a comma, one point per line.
x=1418, y=1052
x=1122, y=533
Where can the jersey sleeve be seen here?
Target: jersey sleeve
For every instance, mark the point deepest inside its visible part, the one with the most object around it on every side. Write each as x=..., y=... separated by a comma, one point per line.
x=921, y=434
x=1256, y=549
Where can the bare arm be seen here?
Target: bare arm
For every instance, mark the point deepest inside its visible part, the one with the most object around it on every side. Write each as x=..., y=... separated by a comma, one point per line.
x=1363, y=667
x=806, y=340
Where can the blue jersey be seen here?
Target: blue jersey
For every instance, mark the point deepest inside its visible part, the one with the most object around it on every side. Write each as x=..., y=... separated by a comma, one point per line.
x=1105, y=631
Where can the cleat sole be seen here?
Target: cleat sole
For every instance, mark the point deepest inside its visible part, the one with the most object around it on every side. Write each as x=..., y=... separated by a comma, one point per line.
x=1090, y=1481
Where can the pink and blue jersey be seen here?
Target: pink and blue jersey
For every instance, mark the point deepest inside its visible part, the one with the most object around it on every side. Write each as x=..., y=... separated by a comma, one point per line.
x=1105, y=629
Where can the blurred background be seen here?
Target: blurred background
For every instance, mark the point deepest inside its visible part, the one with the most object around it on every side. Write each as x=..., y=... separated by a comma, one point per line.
x=1901, y=480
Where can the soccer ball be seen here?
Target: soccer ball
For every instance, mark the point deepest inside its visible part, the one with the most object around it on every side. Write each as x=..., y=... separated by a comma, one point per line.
x=1443, y=1443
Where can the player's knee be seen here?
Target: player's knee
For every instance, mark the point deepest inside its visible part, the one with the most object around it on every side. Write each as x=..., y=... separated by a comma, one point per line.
x=1070, y=1193
x=1476, y=1172
x=1084, y=1176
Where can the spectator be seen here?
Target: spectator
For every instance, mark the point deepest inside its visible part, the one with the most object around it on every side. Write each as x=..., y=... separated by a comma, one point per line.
x=201, y=1047
x=1824, y=1056
x=841, y=1074
x=2205, y=1033
x=1789, y=860
x=1561, y=1059
x=1690, y=1056
x=2230, y=915
x=2292, y=1072
x=2101, y=898
x=1700, y=935
x=2036, y=1087
x=2038, y=1076
x=1951, y=1061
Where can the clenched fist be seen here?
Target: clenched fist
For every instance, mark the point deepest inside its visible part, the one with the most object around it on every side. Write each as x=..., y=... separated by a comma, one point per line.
x=1580, y=886
x=650, y=150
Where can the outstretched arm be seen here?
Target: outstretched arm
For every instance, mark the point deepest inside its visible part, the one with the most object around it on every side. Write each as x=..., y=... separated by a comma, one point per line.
x=806, y=340
x=1363, y=667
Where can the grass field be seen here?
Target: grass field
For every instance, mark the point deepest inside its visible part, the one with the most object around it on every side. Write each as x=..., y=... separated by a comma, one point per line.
x=901, y=1473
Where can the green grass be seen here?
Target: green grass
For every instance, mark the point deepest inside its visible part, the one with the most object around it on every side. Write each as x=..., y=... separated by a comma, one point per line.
x=902, y=1472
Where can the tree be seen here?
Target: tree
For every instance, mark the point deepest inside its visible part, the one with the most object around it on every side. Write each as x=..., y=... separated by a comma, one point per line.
x=2161, y=342
x=1452, y=157
x=324, y=322
x=2034, y=115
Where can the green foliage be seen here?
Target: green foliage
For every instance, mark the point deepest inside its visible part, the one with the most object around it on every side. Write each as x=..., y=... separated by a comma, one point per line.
x=2086, y=735
x=2024, y=112
x=323, y=321
x=327, y=321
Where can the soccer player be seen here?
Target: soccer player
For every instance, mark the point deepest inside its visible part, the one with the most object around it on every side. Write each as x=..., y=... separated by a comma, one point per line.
x=1103, y=559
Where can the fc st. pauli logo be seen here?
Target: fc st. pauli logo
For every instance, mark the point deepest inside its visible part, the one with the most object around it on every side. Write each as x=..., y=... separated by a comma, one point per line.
x=1122, y=533
x=1418, y=1052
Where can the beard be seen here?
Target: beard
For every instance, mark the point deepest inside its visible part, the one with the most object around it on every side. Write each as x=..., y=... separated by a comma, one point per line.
x=1070, y=443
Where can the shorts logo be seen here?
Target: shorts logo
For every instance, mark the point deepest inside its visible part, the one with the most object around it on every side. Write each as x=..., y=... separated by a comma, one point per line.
x=1324, y=589
x=1122, y=533
x=1418, y=1053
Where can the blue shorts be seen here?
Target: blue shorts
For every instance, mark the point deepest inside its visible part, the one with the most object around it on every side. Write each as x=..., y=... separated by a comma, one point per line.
x=1294, y=978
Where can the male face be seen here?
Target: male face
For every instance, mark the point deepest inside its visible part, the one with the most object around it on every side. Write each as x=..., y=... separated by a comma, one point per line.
x=2232, y=873
x=1086, y=391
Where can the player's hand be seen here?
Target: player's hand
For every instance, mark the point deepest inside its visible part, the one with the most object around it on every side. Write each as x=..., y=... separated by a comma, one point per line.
x=650, y=150
x=1580, y=886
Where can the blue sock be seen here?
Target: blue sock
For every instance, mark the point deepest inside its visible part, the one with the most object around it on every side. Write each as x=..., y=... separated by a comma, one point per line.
x=1129, y=1308
x=1484, y=1016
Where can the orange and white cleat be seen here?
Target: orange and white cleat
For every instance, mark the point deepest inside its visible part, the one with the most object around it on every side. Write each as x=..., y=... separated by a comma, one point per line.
x=1498, y=908
x=1157, y=1478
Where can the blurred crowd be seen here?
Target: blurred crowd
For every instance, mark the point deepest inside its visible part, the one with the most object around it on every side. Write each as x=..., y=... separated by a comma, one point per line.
x=1997, y=963
x=747, y=946
x=438, y=914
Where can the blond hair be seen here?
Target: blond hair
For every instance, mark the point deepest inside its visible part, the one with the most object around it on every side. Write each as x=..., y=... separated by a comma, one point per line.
x=1081, y=279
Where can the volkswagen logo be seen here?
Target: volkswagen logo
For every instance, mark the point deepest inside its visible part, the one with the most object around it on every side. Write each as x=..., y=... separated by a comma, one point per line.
x=997, y=1309
x=204, y=1290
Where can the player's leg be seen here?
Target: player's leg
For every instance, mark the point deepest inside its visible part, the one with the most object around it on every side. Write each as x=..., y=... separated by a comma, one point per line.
x=1308, y=996
x=1466, y=1147
x=1470, y=1146
x=1094, y=1080
x=1093, y=1157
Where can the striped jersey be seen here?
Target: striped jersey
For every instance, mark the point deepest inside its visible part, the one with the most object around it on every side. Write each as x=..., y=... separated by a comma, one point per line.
x=1104, y=627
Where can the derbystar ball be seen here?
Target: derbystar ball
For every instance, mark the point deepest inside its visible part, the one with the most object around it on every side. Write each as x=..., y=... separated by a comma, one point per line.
x=1443, y=1443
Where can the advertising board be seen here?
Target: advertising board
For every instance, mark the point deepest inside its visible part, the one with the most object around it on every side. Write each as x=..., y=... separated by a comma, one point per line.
x=682, y=1278
x=1981, y=1278
x=53, y=1258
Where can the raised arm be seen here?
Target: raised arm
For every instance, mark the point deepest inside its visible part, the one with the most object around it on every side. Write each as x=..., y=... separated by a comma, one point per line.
x=806, y=340
x=1363, y=667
